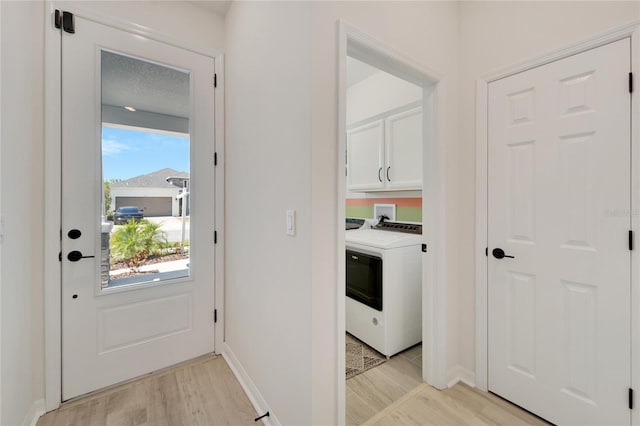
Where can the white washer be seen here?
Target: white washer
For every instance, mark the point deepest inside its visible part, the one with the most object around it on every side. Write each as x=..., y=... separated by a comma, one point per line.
x=398, y=325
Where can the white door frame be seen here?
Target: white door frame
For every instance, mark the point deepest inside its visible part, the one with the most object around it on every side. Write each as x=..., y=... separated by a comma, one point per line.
x=631, y=31
x=357, y=43
x=52, y=176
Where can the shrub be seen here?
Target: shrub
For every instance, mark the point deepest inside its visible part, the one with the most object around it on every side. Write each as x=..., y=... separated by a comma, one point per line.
x=136, y=240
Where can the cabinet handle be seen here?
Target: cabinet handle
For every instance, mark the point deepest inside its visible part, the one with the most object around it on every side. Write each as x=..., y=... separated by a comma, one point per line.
x=379, y=171
x=388, y=178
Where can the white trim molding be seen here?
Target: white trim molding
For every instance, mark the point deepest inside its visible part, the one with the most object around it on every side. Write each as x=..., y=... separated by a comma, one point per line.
x=354, y=42
x=459, y=374
x=52, y=175
x=36, y=410
x=257, y=400
x=631, y=31
x=1, y=218
x=52, y=218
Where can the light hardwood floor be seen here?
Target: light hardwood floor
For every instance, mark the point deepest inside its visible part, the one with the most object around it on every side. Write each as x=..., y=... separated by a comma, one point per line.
x=394, y=394
x=372, y=391
x=203, y=392
x=459, y=405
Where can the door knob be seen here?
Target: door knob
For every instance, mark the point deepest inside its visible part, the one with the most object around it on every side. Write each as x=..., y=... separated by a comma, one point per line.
x=76, y=255
x=498, y=253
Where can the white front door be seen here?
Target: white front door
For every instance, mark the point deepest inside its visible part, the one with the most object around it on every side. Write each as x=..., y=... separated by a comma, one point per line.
x=559, y=203
x=137, y=116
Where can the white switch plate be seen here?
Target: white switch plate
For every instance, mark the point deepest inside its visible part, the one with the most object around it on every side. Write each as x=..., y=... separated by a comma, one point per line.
x=291, y=222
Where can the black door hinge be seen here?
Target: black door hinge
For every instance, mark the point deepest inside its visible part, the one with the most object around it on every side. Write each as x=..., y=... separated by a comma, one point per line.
x=424, y=248
x=215, y=80
x=630, y=399
x=215, y=237
x=486, y=251
x=60, y=257
x=215, y=316
x=215, y=158
x=57, y=18
x=68, y=23
x=630, y=82
x=630, y=240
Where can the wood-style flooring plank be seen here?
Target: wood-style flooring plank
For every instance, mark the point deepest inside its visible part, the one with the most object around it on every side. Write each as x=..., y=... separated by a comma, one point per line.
x=359, y=411
x=393, y=394
x=459, y=405
x=204, y=392
x=376, y=389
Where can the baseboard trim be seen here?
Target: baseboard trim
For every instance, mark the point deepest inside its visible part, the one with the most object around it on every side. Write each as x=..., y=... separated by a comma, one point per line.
x=460, y=374
x=35, y=412
x=256, y=398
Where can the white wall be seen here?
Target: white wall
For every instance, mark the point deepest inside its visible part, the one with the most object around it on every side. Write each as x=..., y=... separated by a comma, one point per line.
x=427, y=33
x=377, y=94
x=178, y=19
x=268, y=159
x=22, y=163
x=22, y=191
x=493, y=36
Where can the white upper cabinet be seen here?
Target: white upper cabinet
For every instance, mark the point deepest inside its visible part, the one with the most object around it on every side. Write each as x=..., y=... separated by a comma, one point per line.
x=365, y=157
x=386, y=154
x=403, y=150
x=384, y=136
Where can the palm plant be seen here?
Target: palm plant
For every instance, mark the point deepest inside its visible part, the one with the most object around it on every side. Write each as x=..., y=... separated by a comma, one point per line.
x=136, y=240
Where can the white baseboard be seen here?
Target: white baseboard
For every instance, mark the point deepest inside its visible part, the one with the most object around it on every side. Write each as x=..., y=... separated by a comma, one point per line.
x=460, y=374
x=257, y=400
x=35, y=411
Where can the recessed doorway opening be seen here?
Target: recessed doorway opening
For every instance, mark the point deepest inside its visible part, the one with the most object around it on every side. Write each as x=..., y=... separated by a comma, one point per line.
x=390, y=290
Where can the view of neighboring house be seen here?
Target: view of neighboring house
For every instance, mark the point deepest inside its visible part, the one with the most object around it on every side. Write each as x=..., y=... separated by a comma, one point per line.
x=151, y=193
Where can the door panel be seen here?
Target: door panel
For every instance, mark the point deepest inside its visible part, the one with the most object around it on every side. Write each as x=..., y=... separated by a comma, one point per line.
x=365, y=153
x=559, y=202
x=404, y=150
x=111, y=334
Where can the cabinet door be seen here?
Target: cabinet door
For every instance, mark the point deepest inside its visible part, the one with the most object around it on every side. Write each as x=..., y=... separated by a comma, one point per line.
x=365, y=151
x=403, y=168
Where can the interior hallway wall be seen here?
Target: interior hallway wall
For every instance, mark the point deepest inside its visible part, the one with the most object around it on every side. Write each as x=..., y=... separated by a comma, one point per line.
x=268, y=160
x=494, y=36
x=21, y=371
x=22, y=180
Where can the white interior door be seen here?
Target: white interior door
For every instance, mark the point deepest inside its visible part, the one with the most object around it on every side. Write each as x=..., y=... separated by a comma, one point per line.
x=115, y=325
x=559, y=203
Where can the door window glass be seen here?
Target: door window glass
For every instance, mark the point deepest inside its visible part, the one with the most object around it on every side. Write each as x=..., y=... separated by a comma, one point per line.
x=145, y=171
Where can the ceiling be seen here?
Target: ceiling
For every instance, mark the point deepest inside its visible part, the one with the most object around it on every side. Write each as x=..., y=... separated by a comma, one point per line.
x=219, y=7
x=358, y=71
x=144, y=85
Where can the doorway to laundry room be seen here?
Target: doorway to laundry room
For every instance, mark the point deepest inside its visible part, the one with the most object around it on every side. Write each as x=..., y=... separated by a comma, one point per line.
x=389, y=122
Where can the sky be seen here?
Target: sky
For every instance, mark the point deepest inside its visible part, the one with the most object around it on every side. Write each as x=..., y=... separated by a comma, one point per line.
x=128, y=153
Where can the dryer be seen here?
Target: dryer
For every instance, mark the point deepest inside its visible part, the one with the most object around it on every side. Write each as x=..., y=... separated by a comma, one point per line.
x=384, y=286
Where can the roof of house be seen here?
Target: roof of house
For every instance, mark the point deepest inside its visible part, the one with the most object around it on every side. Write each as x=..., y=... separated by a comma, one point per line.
x=157, y=179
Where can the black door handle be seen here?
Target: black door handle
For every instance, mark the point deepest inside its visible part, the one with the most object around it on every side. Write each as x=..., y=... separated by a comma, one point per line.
x=498, y=253
x=76, y=255
x=388, y=178
x=380, y=171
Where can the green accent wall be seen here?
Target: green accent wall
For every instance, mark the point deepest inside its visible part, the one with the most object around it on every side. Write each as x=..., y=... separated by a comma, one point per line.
x=403, y=214
x=409, y=214
x=365, y=212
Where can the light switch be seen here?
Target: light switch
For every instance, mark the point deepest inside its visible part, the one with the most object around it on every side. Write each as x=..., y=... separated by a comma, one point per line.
x=291, y=222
